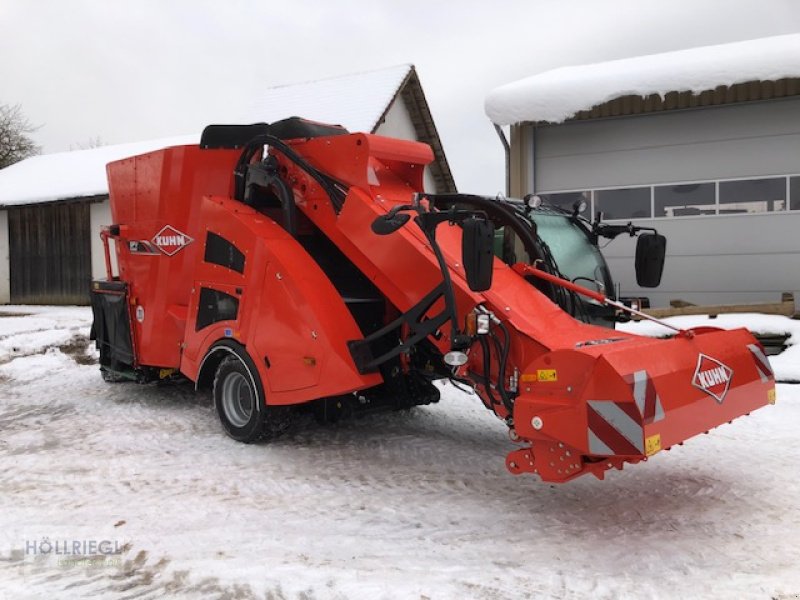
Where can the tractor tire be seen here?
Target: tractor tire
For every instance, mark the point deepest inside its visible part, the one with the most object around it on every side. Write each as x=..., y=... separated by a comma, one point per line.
x=112, y=376
x=239, y=400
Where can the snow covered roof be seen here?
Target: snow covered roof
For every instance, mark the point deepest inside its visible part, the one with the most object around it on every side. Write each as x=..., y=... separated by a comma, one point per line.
x=559, y=94
x=77, y=174
x=356, y=101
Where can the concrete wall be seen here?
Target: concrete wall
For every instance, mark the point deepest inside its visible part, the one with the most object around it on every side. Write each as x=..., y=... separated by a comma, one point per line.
x=710, y=259
x=99, y=217
x=5, y=270
x=397, y=123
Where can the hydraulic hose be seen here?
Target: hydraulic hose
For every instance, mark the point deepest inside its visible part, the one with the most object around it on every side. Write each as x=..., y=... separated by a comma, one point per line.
x=336, y=197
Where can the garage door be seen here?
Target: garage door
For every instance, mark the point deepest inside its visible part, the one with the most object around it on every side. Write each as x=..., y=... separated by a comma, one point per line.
x=50, y=253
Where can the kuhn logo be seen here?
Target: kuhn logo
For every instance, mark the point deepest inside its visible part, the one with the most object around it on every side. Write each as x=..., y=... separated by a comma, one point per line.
x=169, y=240
x=713, y=377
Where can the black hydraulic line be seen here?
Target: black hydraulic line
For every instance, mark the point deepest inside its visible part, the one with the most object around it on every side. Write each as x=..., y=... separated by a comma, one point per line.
x=449, y=296
x=259, y=141
x=456, y=382
x=501, y=377
x=505, y=214
x=487, y=365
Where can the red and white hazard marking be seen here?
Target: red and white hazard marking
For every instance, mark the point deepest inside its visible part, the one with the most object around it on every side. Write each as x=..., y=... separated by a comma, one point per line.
x=762, y=363
x=617, y=428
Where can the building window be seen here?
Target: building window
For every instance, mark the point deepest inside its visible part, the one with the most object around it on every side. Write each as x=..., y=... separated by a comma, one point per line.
x=685, y=200
x=794, y=192
x=566, y=200
x=752, y=196
x=627, y=203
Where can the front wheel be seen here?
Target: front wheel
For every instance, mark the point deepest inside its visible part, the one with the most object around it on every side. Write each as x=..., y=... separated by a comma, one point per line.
x=239, y=400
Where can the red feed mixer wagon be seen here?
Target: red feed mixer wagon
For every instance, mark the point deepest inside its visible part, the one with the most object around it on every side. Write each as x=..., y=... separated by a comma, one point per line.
x=296, y=266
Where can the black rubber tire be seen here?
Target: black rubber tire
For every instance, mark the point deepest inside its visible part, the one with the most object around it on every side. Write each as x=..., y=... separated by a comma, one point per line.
x=250, y=420
x=243, y=423
x=111, y=376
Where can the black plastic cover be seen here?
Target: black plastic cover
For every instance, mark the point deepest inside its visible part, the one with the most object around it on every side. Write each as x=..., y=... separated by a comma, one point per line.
x=231, y=136
x=477, y=252
x=215, y=306
x=111, y=328
x=220, y=251
x=297, y=127
x=651, y=249
x=237, y=136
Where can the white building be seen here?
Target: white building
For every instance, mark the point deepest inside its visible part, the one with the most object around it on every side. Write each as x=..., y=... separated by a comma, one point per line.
x=52, y=207
x=702, y=144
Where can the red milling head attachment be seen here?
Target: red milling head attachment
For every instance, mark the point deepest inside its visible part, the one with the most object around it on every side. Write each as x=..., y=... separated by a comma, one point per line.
x=602, y=403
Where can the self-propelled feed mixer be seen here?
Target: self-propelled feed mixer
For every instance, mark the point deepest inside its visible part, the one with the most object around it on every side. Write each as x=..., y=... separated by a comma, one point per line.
x=297, y=267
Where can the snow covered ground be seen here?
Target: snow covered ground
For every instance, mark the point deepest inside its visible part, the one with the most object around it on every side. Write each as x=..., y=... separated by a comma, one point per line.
x=786, y=365
x=414, y=505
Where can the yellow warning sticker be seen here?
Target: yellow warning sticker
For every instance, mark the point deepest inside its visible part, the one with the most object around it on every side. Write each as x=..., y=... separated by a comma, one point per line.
x=652, y=444
x=546, y=375
x=771, y=396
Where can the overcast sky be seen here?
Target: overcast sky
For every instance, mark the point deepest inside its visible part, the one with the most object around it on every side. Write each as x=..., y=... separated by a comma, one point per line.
x=131, y=70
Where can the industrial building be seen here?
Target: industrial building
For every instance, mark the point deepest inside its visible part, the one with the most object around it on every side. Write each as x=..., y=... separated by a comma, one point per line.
x=702, y=144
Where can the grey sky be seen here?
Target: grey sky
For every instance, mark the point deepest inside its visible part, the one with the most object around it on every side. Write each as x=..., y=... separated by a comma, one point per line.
x=130, y=70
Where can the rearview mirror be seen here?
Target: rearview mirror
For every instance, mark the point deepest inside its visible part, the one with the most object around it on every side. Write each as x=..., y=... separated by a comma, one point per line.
x=477, y=253
x=651, y=249
x=389, y=223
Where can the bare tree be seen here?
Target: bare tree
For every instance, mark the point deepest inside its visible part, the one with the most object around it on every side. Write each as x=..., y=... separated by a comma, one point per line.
x=93, y=142
x=15, y=143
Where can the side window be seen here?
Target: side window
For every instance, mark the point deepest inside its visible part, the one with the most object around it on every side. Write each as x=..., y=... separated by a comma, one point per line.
x=623, y=203
x=752, y=196
x=214, y=306
x=220, y=251
x=685, y=200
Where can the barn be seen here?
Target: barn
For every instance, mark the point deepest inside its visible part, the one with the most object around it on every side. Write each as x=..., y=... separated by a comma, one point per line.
x=53, y=206
x=702, y=144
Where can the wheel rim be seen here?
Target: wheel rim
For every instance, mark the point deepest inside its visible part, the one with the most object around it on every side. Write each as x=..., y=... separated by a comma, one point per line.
x=237, y=399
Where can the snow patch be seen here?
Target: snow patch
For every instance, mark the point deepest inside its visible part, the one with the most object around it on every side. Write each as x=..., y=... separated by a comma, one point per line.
x=356, y=101
x=403, y=505
x=77, y=174
x=559, y=94
x=786, y=365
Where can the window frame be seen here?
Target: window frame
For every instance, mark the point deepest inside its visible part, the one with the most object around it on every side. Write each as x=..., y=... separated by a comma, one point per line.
x=592, y=192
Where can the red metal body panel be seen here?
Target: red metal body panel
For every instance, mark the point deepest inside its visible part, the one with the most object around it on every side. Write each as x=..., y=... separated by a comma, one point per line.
x=589, y=398
x=149, y=192
x=290, y=314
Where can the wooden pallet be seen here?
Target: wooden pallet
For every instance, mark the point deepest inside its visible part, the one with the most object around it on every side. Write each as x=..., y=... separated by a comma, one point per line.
x=785, y=307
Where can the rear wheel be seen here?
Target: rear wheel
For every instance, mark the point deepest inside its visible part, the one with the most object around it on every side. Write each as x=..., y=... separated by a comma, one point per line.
x=110, y=376
x=239, y=400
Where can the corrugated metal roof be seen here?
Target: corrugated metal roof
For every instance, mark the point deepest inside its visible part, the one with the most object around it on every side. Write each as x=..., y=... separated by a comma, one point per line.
x=723, y=94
